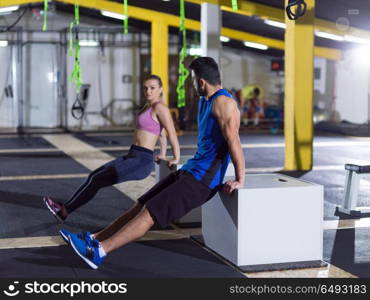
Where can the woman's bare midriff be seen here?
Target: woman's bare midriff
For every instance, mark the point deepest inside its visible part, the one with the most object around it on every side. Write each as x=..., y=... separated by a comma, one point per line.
x=145, y=139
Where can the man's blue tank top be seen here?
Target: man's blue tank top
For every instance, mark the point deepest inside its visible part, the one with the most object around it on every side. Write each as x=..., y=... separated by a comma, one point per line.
x=210, y=162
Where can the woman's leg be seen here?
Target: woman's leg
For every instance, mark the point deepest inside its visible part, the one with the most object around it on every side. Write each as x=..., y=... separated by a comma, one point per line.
x=102, y=177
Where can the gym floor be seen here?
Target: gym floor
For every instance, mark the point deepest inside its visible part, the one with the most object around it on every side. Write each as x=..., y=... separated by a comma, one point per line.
x=42, y=164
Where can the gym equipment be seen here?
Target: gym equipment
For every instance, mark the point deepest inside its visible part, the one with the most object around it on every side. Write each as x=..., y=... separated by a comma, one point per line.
x=273, y=220
x=45, y=25
x=78, y=109
x=79, y=106
x=351, y=186
x=300, y=9
x=234, y=4
x=125, y=20
x=183, y=72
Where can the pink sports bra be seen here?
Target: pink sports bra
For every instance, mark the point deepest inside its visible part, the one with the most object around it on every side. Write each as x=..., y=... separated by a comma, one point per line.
x=146, y=122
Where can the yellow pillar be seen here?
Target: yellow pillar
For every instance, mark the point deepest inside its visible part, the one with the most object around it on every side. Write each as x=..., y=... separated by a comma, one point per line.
x=298, y=105
x=159, y=42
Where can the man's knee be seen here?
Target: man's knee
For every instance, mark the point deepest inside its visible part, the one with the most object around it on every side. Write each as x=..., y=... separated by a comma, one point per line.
x=148, y=219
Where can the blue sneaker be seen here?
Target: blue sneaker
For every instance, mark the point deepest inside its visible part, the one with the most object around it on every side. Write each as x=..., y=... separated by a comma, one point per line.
x=87, y=249
x=64, y=233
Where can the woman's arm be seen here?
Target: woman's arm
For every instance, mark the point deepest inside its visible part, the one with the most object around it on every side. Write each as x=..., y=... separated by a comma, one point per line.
x=164, y=117
x=162, y=145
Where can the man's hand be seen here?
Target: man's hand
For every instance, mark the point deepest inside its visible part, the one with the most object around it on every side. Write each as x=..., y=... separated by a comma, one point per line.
x=173, y=162
x=231, y=185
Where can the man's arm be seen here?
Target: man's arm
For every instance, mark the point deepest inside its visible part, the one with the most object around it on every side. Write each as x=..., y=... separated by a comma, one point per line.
x=226, y=111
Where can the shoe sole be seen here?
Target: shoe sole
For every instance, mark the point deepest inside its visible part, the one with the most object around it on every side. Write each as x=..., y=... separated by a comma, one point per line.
x=65, y=238
x=89, y=262
x=59, y=219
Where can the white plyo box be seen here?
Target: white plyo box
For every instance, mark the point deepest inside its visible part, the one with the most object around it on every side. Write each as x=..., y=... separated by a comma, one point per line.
x=273, y=219
x=162, y=170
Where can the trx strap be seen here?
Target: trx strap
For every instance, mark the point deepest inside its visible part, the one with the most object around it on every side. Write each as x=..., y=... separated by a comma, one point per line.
x=125, y=19
x=183, y=72
x=234, y=4
x=45, y=25
x=78, y=109
x=300, y=9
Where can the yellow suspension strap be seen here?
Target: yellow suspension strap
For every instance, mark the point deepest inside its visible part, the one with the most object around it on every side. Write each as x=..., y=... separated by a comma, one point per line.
x=125, y=18
x=45, y=25
x=78, y=108
x=183, y=72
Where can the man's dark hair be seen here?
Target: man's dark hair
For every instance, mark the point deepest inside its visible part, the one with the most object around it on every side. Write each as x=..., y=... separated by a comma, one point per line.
x=207, y=69
x=256, y=91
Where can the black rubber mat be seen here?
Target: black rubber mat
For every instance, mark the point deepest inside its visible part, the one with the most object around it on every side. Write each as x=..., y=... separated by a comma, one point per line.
x=266, y=267
x=36, y=262
x=38, y=163
x=150, y=259
x=345, y=128
x=349, y=249
x=22, y=142
x=23, y=213
x=106, y=140
x=333, y=182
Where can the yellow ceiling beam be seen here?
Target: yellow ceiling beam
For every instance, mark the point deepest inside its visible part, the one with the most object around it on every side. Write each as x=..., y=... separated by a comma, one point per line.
x=4, y=3
x=172, y=20
x=324, y=52
x=249, y=8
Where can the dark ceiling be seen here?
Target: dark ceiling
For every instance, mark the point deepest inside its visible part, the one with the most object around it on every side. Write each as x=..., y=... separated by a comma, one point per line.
x=357, y=12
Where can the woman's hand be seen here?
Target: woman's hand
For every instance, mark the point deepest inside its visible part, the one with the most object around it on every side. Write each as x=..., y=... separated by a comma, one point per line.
x=159, y=157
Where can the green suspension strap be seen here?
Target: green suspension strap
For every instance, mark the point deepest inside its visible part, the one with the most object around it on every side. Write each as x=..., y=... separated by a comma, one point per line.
x=70, y=49
x=125, y=20
x=183, y=72
x=234, y=4
x=45, y=25
x=78, y=108
x=77, y=14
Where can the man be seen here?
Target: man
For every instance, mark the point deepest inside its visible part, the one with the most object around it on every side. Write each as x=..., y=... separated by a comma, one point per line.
x=191, y=186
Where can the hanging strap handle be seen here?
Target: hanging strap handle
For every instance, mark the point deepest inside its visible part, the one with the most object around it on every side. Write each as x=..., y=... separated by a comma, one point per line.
x=78, y=109
x=300, y=9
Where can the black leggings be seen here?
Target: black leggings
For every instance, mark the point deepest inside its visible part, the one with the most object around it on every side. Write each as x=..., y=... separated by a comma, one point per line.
x=136, y=165
x=101, y=177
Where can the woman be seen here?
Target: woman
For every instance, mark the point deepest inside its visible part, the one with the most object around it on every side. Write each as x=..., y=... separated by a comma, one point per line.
x=152, y=121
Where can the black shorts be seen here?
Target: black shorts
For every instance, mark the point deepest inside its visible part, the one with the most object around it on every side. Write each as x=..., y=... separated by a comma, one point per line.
x=174, y=196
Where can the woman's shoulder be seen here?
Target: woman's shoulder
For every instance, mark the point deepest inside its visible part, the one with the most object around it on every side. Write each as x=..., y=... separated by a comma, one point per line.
x=159, y=107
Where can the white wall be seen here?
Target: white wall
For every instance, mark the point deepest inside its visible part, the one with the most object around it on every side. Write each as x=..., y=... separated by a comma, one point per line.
x=8, y=107
x=352, y=89
x=40, y=85
x=104, y=70
x=241, y=68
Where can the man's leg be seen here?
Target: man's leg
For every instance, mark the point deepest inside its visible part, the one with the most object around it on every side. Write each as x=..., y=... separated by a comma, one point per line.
x=125, y=218
x=121, y=221
x=133, y=230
